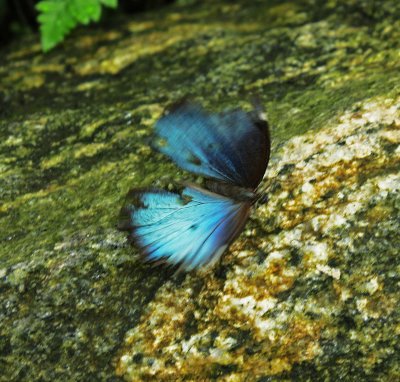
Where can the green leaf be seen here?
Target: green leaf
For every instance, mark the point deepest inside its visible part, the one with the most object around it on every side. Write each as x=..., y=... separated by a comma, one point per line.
x=85, y=11
x=110, y=3
x=55, y=22
x=58, y=17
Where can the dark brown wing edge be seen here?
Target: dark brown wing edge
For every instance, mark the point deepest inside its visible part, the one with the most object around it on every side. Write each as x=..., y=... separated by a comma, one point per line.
x=259, y=118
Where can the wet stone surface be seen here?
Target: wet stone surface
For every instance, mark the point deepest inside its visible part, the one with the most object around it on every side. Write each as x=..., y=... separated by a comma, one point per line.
x=307, y=292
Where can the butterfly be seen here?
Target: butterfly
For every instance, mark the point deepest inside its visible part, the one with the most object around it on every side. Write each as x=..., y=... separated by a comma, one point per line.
x=193, y=228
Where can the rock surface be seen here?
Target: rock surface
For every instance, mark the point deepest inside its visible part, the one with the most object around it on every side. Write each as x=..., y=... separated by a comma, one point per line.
x=316, y=287
x=310, y=289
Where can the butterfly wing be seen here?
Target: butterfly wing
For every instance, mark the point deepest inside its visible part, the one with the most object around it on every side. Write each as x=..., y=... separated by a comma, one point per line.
x=192, y=229
x=232, y=147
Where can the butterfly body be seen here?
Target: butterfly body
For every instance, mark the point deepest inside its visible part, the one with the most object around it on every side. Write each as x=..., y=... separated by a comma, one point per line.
x=194, y=227
x=236, y=193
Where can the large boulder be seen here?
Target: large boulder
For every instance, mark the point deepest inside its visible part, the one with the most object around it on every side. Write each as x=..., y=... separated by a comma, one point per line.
x=309, y=291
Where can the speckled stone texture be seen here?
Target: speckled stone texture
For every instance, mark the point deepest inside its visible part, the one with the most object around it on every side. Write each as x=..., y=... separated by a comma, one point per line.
x=309, y=291
x=312, y=287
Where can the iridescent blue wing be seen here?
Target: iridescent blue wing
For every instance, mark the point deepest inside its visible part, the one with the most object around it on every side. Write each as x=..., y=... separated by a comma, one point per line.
x=232, y=147
x=191, y=230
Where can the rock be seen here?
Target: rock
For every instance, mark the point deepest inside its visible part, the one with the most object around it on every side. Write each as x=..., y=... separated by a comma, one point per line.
x=324, y=292
x=310, y=289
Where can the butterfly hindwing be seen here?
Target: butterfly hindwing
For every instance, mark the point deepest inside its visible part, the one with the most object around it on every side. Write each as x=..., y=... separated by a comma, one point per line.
x=232, y=147
x=191, y=230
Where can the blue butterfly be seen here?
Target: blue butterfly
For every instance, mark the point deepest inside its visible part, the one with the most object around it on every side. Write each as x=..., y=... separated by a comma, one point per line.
x=194, y=227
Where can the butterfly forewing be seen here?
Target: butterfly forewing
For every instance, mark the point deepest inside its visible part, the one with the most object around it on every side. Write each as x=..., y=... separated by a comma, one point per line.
x=232, y=147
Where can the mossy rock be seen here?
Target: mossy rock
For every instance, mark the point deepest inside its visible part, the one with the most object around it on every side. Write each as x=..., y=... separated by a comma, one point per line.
x=309, y=290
